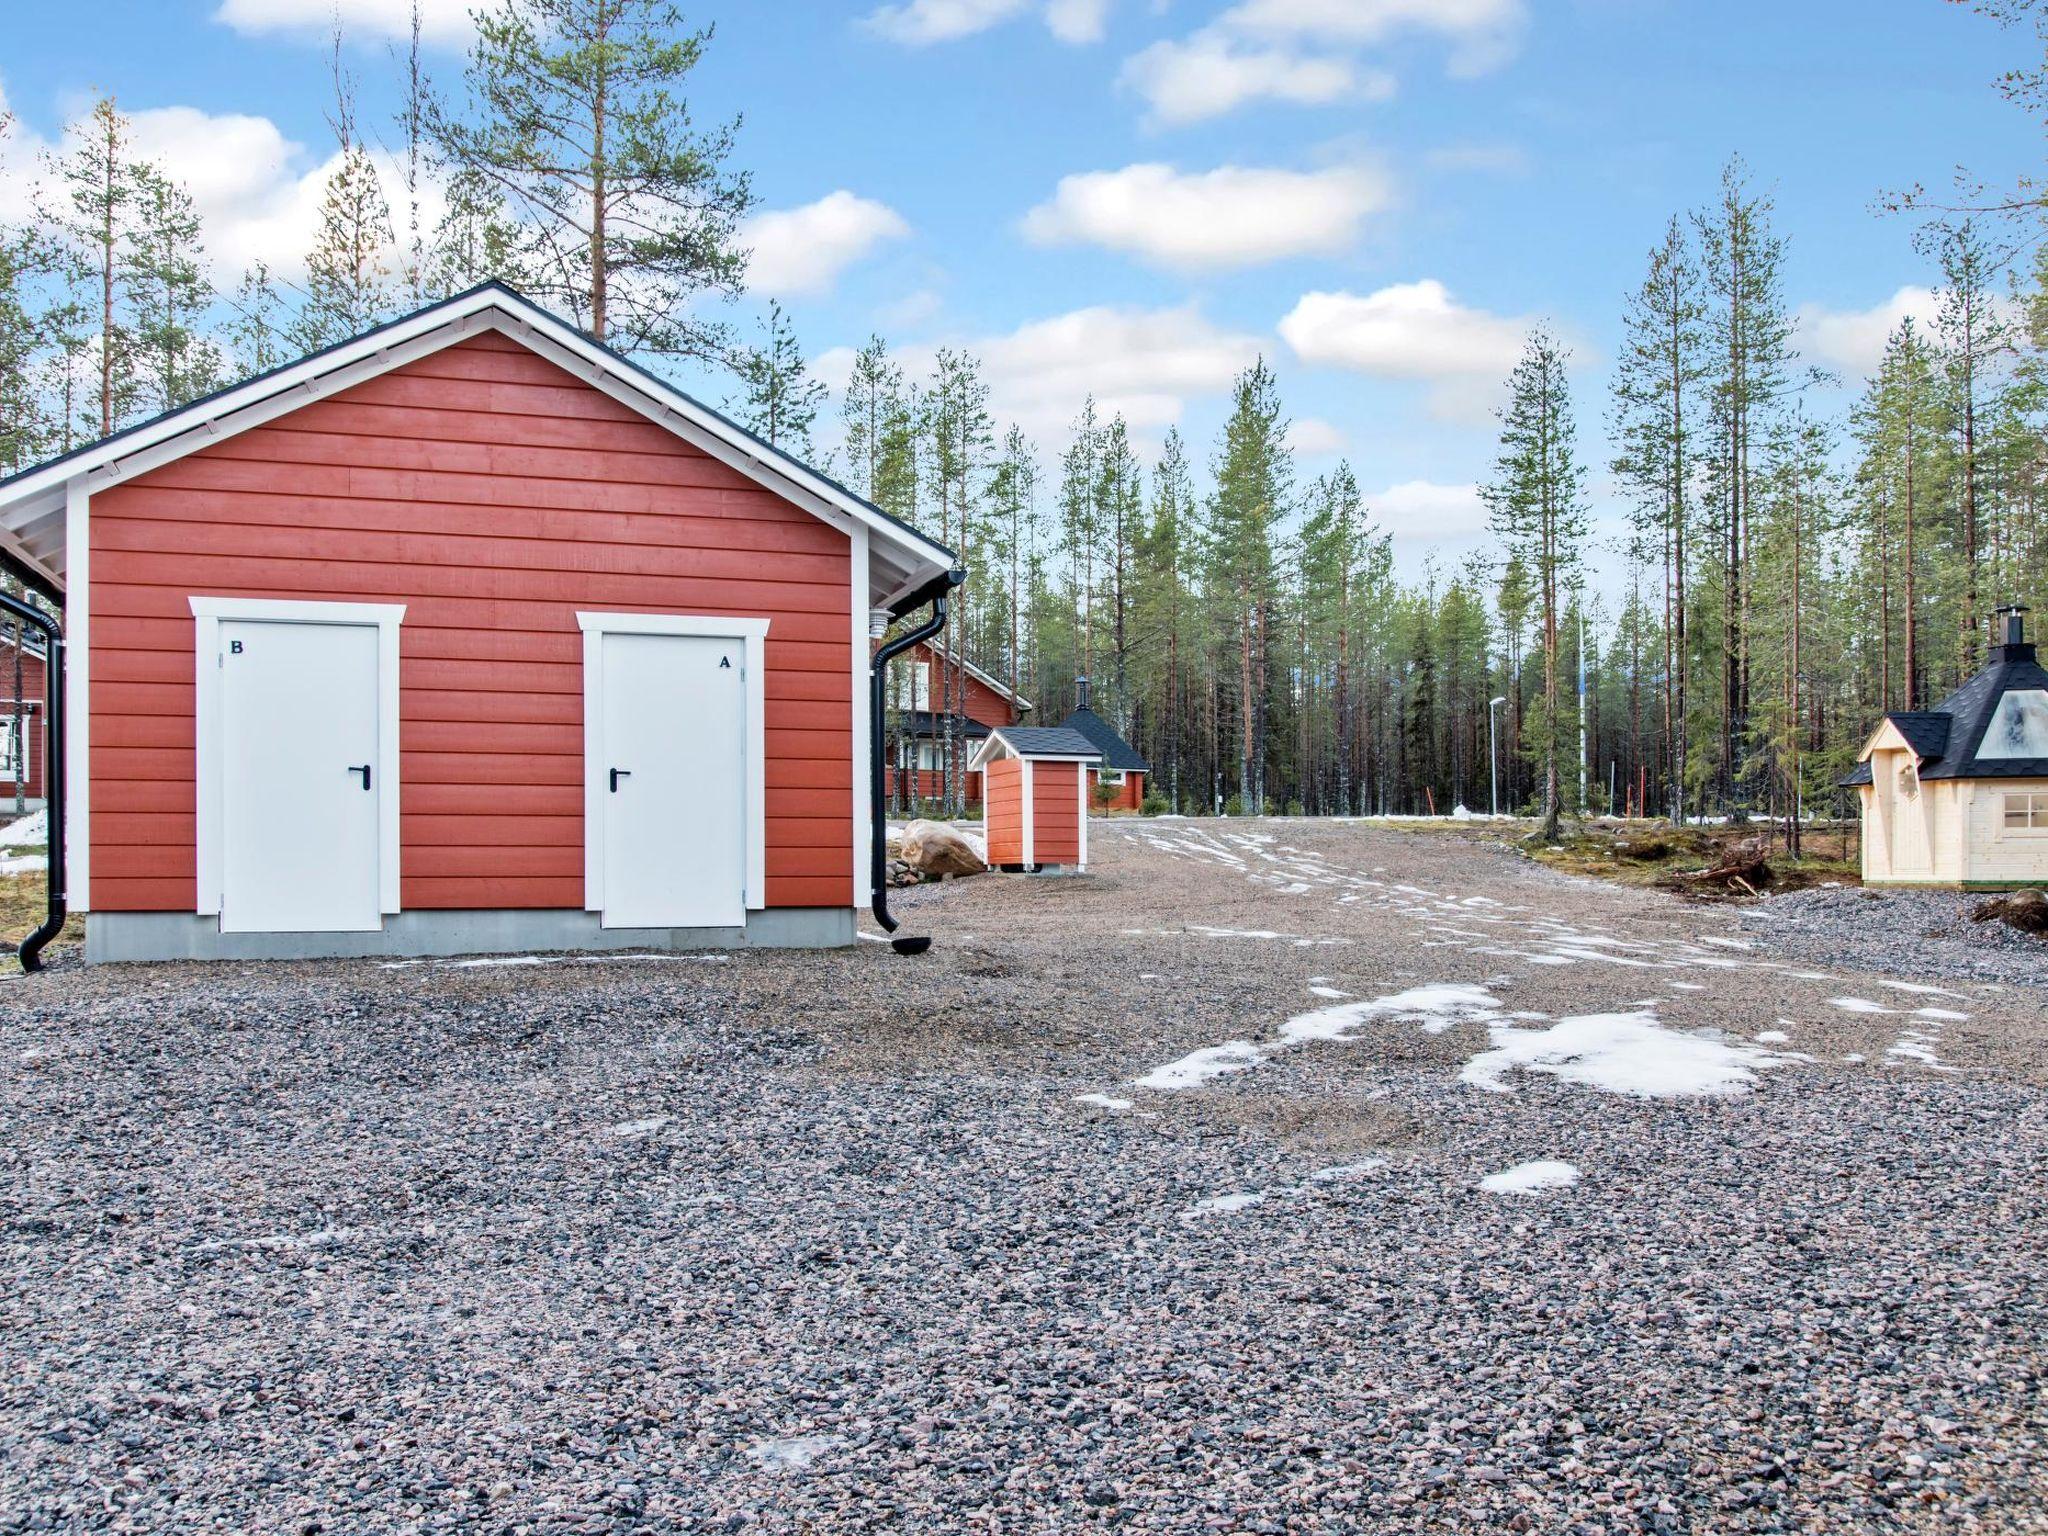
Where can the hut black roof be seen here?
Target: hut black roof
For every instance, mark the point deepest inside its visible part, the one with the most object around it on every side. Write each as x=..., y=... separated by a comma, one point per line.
x=1046, y=741
x=1950, y=739
x=1116, y=752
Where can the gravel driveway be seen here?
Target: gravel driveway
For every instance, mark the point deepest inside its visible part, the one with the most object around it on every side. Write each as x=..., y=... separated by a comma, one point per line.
x=1279, y=1176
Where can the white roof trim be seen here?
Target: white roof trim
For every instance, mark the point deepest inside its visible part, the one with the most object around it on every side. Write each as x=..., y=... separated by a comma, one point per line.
x=35, y=494
x=978, y=675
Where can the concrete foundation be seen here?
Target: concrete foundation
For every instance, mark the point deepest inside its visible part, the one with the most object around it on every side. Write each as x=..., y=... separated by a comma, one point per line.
x=112, y=937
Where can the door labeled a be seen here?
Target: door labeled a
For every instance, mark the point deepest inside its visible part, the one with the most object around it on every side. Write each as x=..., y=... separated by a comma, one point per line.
x=673, y=781
x=300, y=785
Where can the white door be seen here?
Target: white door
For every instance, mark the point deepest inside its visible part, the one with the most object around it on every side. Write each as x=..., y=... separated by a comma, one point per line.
x=673, y=778
x=299, y=785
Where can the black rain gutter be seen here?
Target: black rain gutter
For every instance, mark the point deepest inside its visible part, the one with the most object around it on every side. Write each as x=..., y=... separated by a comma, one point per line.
x=53, y=766
x=936, y=592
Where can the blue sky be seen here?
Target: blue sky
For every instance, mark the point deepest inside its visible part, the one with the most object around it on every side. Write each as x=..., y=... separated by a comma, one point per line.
x=1136, y=196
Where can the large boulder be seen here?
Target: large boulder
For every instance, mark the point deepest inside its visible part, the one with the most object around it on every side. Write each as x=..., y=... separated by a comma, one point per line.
x=936, y=851
x=2024, y=910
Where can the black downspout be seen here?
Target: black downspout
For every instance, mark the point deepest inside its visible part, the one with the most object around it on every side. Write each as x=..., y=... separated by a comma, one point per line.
x=878, y=814
x=53, y=772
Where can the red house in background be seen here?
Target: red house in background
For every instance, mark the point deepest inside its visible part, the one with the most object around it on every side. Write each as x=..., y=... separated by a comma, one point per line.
x=929, y=680
x=22, y=748
x=1122, y=768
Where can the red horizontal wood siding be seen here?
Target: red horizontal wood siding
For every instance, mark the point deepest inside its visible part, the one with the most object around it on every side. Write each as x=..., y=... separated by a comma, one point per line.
x=1005, y=818
x=1129, y=796
x=27, y=708
x=1055, y=813
x=954, y=687
x=494, y=495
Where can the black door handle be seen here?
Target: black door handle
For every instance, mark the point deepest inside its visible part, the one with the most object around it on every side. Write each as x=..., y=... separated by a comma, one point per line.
x=364, y=770
x=618, y=774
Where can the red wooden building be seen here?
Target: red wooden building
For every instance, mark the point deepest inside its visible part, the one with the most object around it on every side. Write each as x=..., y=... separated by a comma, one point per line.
x=465, y=635
x=1038, y=782
x=1122, y=768
x=928, y=685
x=22, y=748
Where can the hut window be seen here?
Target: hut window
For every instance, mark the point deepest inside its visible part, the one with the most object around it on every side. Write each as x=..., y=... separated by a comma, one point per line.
x=2026, y=813
x=2019, y=727
x=1909, y=783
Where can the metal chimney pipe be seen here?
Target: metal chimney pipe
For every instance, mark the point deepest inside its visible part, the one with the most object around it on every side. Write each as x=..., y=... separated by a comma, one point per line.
x=1081, y=691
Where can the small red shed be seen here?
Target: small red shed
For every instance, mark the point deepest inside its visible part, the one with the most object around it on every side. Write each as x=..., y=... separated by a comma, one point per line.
x=1036, y=812
x=467, y=634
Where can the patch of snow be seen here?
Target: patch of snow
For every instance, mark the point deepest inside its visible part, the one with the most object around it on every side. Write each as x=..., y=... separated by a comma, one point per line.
x=1330, y=992
x=1625, y=1053
x=1916, y=1046
x=792, y=1453
x=1223, y=1205
x=31, y=831
x=1198, y=1067
x=284, y=1242
x=1858, y=1005
x=24, y=864
x=1772, y=1037
x=1102, y=1101
x=1918, y=989
x=1531, y=1178
x=1853, y=1056
x=630, y=1129
x=1945, y=1015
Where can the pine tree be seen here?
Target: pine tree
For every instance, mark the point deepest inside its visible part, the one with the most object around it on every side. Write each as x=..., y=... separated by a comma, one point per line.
x=1538, y=507
x=97, y=181
x=779, y=400
x=163, y=273
x=1254, y=489
x=474, y=242
x=628, y=212
x=1120, y=495
x=259, y=334
x=1750, y=335
x=1656, y=401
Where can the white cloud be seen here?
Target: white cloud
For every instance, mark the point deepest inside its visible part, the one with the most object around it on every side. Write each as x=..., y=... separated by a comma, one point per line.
x=921, y=23
x=1230, y=217
x=1209, y=75
x=1314, y=438
x=441, y=21
x=1483, y=33
x=803, y=250
x=1852, y=340
x=256, y=191
x=1425, y=512
x=1142, y=364
x=1413, y=331
x=1077, y=21
x=1405, y=331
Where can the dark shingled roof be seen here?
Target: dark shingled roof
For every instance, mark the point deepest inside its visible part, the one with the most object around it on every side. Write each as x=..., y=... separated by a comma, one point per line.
x=1116, y=752
x=929, y=725
x=1948, y=736
x=1046, y=741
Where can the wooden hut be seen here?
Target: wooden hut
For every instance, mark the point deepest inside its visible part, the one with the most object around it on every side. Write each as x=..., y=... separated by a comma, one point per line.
x=1036, y=812
x=1957, y=795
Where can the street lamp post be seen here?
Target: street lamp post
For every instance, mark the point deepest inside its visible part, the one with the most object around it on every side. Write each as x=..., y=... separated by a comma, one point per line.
x=1493, y=752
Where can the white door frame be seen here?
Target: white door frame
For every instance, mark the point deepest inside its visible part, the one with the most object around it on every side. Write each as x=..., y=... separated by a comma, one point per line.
x=211, y=819
x=754, y=632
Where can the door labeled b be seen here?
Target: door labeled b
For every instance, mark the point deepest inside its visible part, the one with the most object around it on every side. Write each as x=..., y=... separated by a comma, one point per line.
x=300, y=787
x=672, y=781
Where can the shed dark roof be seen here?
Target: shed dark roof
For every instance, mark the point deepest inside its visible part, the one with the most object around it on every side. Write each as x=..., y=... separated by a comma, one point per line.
x=1116, y=752
x=1046, y=741
x=1948, y=737
x=928, y=724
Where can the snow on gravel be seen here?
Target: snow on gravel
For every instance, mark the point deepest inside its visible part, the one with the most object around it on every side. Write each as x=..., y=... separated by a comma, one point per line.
x=1625, y=1053
x=1531, y=1178
x=793, y=1453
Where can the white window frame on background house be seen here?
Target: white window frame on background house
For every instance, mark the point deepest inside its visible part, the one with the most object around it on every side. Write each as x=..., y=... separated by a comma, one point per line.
x=10, y=733
x=210, y=821
x=753, y=633
x=2031, y=806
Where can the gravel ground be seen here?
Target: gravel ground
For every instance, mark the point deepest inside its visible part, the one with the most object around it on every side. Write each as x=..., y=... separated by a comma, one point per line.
x=1852, y=925
x=832, y=1243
